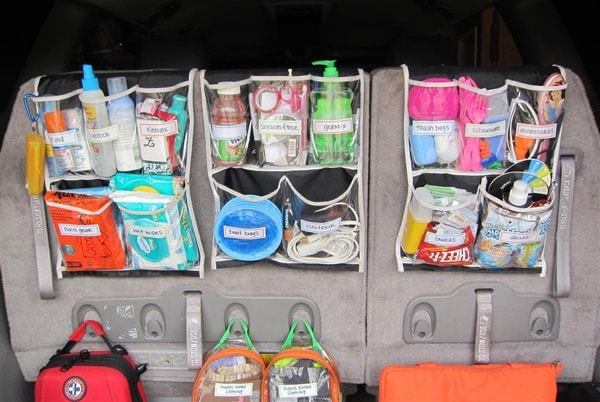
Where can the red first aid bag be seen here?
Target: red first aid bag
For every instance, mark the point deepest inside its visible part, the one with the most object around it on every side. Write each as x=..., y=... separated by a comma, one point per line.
x=90, y=375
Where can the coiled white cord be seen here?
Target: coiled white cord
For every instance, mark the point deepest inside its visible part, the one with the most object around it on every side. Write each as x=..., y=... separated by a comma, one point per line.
x=335, y=247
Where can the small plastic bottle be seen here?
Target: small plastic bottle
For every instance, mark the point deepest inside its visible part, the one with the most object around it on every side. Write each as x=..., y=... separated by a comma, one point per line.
x=121, y=112
x=177, y=107
x=419, y=216
x=56, y=128
x=54, y=161
x=99, y=136
x=229, y=127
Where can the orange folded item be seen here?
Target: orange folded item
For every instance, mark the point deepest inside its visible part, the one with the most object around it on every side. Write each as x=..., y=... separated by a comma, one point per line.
x=508, y=382
x=86, y=230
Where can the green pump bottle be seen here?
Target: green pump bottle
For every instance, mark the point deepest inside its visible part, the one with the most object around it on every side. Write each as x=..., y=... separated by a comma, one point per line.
x=333, y=140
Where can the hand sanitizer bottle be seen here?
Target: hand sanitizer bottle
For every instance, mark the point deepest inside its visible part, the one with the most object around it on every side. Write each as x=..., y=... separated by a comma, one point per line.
x=332, y=130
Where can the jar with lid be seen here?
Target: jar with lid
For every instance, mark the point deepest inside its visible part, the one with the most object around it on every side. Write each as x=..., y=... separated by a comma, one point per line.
x=229, y=127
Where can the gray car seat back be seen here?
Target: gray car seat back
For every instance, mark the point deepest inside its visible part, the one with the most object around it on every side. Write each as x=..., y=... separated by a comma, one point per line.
x=422, y=315
x=156, y=306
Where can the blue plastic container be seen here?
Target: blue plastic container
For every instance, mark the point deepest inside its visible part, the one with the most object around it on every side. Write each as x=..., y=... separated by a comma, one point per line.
x=249, y=230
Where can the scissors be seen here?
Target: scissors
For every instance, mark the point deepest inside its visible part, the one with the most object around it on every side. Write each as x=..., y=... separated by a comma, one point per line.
x=269, y=98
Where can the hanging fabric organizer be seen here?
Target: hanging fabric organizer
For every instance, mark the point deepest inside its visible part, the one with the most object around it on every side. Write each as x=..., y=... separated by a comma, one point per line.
x=116, y=186
x=481, y=153
x=285, y=167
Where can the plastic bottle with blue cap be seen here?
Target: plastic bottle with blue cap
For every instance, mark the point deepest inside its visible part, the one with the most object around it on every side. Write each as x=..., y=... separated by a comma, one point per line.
x=100, y=138
x=332, y=127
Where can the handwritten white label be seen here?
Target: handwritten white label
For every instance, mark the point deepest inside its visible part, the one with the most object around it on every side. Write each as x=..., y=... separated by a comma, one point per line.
x=298, y=390
x=79, y=230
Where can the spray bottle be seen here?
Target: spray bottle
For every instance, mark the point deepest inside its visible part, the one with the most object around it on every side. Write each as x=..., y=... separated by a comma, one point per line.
x=98, y=132
x=332, y=129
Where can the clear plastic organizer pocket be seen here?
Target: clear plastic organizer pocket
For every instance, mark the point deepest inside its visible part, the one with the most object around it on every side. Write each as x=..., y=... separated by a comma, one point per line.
x=440, y=221
x=516, y=215
x=138, y=127
x=482, y=122
x=152, y=230
x=125, y=187
x=60, y=119
x=282, y=120
x=321, y=232
x=536, y=116
x=227, y=122
x=279, y=108
x=433, y=106
x=163, y=125
x=248, y=225
x=87, y=230
x=334, y=128
x=294, y=219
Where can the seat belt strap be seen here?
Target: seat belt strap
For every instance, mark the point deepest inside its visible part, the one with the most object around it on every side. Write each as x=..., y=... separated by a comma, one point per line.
x=193, y=329
x=483, y=326
x=562, y=249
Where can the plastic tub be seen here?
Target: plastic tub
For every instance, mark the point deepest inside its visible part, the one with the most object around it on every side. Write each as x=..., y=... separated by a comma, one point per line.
x=249, y=230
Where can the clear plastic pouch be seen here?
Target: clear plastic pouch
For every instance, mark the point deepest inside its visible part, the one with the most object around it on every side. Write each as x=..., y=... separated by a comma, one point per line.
x=440, y=225
x=166, y=185
x=232, y=370
x=334, y=128
x=62, y=122
x=535, y=119
x=308, y=219
x=87, y=231
x=433, y=106
x=162, y=121
x=227, y=122
x=279, y=111
x=302, y=371
x=483, y=120
x=514, y=236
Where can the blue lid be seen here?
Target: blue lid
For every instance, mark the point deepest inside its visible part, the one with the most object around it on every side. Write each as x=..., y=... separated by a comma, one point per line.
x=89, y=81
x=249, y=230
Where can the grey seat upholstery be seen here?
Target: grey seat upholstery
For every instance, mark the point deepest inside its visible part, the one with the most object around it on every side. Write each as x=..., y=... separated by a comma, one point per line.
x=390, y=292
x=38, y=327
